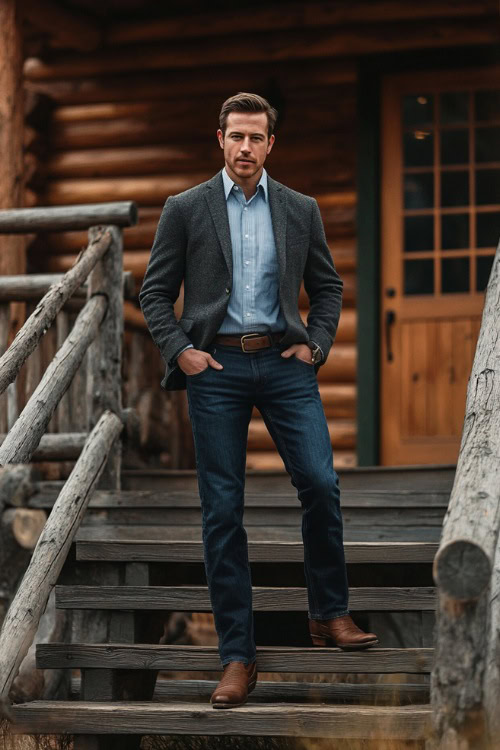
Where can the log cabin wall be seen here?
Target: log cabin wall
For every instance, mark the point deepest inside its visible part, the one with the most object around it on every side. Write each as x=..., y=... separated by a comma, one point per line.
x=136, y=119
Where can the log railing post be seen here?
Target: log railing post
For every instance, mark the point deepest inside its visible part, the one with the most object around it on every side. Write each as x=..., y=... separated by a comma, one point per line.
x=465, y=685
x=104, y=357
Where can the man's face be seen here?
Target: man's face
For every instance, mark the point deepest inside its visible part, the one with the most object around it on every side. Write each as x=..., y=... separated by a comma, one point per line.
x=245, y=144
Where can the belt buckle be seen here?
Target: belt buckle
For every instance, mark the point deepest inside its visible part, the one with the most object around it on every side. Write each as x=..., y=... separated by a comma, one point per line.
x=247, y=336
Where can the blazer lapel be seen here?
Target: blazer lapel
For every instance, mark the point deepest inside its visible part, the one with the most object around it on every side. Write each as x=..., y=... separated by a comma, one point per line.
x=277, y=204
x=217, y=204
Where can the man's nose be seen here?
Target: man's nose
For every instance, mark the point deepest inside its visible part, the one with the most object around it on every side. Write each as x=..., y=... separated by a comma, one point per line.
x=245, y=146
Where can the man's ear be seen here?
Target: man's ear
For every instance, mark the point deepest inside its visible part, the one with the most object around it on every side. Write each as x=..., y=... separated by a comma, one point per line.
x=270, y=144
x=220, y=136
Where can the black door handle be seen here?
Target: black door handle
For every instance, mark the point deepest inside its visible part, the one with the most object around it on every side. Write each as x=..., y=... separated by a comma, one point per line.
x=390, y=318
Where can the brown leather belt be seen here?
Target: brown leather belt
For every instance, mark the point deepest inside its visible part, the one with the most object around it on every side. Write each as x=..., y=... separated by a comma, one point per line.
x=249, y=342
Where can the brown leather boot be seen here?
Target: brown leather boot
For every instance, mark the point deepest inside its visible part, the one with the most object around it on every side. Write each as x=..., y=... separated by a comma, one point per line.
x=341, y=632
x=238, y=680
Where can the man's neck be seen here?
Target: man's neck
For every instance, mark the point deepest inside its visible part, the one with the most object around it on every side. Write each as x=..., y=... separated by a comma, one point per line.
x=249, y=185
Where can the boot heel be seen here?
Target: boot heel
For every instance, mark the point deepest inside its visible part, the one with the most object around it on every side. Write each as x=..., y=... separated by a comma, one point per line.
x=318, y=640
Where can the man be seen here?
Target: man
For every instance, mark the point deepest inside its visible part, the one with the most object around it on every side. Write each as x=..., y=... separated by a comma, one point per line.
x=243, y=243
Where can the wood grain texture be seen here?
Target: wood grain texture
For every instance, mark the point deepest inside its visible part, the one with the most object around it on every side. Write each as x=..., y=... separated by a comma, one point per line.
x=273, y=552
x=265, y=599
x=201, y=658
x=404, y=722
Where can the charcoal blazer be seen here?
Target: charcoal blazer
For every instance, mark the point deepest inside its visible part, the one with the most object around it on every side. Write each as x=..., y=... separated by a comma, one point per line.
x=193, y=244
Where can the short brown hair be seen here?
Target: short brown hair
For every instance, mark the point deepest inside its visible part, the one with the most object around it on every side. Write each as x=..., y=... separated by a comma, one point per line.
x=244, y=102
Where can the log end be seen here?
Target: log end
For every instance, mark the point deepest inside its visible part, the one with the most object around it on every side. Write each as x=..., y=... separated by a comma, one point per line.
x=462, y=570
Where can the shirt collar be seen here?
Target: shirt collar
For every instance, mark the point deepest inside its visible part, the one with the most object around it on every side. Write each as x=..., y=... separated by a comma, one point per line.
x=229, y=183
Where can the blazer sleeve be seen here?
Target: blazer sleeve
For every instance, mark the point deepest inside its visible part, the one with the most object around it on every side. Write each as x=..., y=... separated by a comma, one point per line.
x=323, y=286
x=162, y=282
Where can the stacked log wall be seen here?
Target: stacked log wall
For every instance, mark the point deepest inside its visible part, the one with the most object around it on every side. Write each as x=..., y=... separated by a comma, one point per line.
x=145, y=143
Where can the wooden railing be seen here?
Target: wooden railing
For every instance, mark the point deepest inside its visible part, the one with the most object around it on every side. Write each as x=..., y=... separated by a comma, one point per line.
x=465, y=685
x=97, y=336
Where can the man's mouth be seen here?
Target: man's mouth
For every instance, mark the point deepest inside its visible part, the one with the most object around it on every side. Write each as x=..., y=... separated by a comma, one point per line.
x=245, y=161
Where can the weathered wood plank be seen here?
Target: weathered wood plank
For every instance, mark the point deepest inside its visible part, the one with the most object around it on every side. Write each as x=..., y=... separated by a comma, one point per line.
x=394, y=693
x=402, y=722
x=275, y=552
x=257, y=533
x=33, y=286
x=422, y=478
x=25, y=435
x=203, y=658
x=265, y=599
x=37, y=324
x=59, y=218
x=47, y=560
x=395, y=500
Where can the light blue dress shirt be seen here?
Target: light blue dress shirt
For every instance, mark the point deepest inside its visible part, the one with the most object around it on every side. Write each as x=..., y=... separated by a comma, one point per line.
x=254, y=301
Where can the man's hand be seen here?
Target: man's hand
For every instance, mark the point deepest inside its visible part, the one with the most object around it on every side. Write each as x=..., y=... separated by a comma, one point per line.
x=191, y=361
x=301, y=351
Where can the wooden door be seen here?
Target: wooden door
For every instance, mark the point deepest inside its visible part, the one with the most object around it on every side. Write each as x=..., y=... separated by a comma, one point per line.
x=440, y=225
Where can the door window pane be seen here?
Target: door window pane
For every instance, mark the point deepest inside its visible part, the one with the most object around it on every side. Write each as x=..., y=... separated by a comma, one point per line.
x=418, y=148
x=487, y=229
x=487, y=186
x=455, y=147
x=419, y=190
x=418, y=109
x=419, y=276
x=455, y=275
x=487, y=105
x=454, y=107
x=483, y=270
x=487, y=144
x=419, y=233
x=454, y=231
x=454, y=188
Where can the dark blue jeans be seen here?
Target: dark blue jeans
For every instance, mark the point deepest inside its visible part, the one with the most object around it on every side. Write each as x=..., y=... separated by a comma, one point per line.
x=285, y=390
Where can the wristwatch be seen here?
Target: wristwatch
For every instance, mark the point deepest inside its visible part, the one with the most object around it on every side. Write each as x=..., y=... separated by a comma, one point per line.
x=317, y=354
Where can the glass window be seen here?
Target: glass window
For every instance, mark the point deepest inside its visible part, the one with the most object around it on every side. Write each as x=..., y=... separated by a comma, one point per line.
x=487, y=229
x=454, y=275
x=483, y=270
x=419, y=276
x=487, y=186
x=455, y=147
x=418, y=148
x=487, y=105
x=419, y=233
x=454, y=231
x=419, y=190
x=418, y=109
x=454, y=188
x=487, y=144
x=454, y=107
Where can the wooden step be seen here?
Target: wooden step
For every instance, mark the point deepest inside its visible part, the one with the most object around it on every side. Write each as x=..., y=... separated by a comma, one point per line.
x=274, y=552
x=438, y=477
x=390, y=692
x=396, y=499
x=270, y=719
x=265, y=598
x=399, y=520
x=206, y=658
x=96, y=532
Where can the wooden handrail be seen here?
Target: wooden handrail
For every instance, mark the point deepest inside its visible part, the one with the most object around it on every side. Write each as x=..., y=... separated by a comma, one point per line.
x=23, y=438
x=33, y=286
x=49, y=555
x=98, y=332
x=62, y=218
x=465, y=558
x=33, y=329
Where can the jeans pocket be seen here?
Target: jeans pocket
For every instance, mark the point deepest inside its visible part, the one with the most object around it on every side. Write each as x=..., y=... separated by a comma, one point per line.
x=307, y=364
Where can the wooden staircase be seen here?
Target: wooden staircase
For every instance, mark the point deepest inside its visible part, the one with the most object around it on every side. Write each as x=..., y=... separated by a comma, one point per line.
x=138, y=555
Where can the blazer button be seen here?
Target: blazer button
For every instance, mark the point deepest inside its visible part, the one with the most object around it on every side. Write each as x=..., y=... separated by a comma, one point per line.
x=227, y=290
